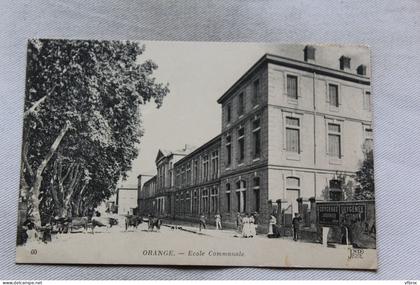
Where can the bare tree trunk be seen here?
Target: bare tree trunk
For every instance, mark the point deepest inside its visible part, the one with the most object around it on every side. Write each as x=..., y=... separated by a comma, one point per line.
x=38, y=177
x=78, y=201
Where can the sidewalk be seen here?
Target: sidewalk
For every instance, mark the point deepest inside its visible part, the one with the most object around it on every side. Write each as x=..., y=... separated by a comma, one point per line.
x=209, y=231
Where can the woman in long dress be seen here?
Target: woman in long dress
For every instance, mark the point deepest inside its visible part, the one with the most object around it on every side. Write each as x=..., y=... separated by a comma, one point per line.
x=252, y=226
x=273, y=221
x=245, y=226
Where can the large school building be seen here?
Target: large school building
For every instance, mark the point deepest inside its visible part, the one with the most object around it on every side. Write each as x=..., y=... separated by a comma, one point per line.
x=291, y=130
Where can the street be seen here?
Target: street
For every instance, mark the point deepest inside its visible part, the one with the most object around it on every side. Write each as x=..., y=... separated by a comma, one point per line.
x=188, y=246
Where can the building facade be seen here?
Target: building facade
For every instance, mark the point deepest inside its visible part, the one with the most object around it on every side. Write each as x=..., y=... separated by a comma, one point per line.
x=156, y=195
x=291, y=130
x=197, y=182
x=126, y=200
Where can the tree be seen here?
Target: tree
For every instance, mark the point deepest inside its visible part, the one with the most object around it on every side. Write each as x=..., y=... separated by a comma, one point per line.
x=82, y=120
x=365, y=189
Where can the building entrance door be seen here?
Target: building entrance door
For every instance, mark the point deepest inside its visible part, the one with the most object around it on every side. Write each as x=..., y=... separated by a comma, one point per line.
x=291, y=196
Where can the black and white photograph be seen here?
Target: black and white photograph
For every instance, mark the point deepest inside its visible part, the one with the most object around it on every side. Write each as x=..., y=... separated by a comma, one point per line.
x=197, y=153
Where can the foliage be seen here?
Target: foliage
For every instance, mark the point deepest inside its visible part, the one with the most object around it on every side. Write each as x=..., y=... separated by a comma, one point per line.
x=82, y=119
x=365, y=189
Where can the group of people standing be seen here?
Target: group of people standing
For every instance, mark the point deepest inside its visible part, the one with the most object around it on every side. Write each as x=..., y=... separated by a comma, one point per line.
x=203, y=222
x=246, y=225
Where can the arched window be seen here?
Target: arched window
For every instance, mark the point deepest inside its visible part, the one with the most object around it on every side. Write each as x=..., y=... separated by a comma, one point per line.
x=205, y=201
x=214, y=199
x=228, y=197
x=241, y=196
x=195, y=202
x=292, y=193
x=256, y=194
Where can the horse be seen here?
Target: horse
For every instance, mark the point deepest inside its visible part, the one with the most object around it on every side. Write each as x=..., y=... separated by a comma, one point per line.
x=102, y=222
x=77, y=223
x=154, y=222
x=132, y=221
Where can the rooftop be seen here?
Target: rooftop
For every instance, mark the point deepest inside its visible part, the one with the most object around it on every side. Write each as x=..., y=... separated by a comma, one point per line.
x=297, y=64
x=197, y=150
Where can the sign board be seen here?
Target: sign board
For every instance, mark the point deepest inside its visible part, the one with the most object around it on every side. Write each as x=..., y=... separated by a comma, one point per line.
x=335, y=213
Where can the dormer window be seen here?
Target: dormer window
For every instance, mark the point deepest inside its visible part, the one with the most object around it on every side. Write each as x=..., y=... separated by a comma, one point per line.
x=309, y=53
x=361, y=69
x=344, y=62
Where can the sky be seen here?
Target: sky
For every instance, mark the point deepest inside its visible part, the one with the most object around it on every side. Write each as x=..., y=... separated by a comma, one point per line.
x=199, y=73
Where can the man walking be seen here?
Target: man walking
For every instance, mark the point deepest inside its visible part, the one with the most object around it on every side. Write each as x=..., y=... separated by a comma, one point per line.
x=296, y=222
x=202, y=222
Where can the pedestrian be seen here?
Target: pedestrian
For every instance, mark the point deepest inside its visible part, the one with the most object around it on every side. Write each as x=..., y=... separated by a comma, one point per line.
x=296, y=223
x=252, y=226
x=245, y=226
x=272, y=222
x=202, y=223
x=218, y=220
x=239, y=222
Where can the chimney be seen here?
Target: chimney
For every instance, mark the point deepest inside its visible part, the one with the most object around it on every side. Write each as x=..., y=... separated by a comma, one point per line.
x=309, y=53
x=361, y=70
x=345, y=63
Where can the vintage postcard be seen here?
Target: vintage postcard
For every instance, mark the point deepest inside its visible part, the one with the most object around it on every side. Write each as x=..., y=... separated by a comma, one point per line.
x=197, y=153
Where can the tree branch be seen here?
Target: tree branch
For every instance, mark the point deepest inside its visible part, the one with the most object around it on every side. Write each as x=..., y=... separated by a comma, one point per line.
x=25, y=159
x=37, y=103
x=52, y=150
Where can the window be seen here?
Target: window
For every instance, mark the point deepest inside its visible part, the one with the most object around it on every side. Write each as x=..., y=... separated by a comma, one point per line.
x=309, y=53
x=292, y=87
x=292, y=193
x=214, y=199
x=228, y=197
x=195, y=202
x=184, y=177
x=344, y=62
x=241, y=104
x=205, y=201
x=256, y=192
x=159, y=177
x=361, y=69
x=228, y=150
x=215, y=164
x=228, y=113
x=256, y=131
x=256, y=93
x=188, y=173
x=292, y=135
x=241, y=143
x=171, y=175
x=206, y=168
x=368, y=139
x=178, y=177
x=241, y=195
x=367, y=101
x=333, y=95
x=181, y=202
x=188, y=202
x=177, y=206
x=196, y=173
x=334, y=140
